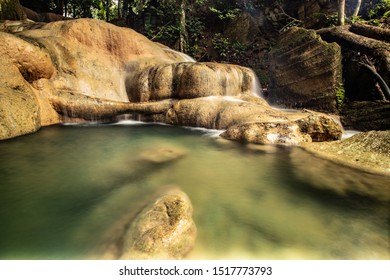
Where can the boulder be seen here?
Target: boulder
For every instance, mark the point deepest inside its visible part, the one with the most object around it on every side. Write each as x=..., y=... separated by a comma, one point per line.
x=305, y=71
x=163, y=230
x=267, y=133
x=224, y=112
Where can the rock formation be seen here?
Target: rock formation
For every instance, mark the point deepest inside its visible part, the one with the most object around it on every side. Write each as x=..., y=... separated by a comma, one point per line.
x=305, y=72
x=366, y=115
x=88, y=69
x=243, y=28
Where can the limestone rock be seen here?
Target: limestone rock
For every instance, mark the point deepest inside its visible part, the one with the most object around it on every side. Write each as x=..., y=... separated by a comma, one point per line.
x=92, y=70
x=366, y=115
x=164, y=230
x=19, y=110
x=320, y=127
x=83, y=57
x=360, y=160
x=243, y=28
x=266, y=133
x=305, y=72
x=224, y=112
x=367, y=150
x=191, y=80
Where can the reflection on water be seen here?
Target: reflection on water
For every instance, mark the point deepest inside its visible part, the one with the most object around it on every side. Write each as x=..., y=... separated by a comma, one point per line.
x=65, y=190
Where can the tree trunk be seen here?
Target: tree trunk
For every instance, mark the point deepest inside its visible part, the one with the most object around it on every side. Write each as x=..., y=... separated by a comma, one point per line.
x=341, y=12
x=66, y=8
x=119, y=8
x=376, y=49
x=60, y=7
x=183, y=36
x=107, y=10
x=125, y=8
x=383, y=85
x=357, y=8
x=374, y=32
x=11, y=10
x=345, y=38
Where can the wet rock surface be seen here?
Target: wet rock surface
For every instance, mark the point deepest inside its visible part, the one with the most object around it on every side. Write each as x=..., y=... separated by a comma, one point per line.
x=266, y=133
x=223, y=113
x=187, y=80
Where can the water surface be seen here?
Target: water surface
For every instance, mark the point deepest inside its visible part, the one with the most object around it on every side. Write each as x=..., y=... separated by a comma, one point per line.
x=63, y=189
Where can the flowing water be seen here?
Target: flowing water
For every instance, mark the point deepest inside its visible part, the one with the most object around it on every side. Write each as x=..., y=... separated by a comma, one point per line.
x=64, y=188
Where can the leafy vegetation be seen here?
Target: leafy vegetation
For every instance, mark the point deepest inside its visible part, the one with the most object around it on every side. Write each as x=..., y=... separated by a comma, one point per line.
x=381, y=9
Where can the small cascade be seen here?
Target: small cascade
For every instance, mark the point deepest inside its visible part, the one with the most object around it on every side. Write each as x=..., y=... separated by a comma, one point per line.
x=178, y=55
x=256, y=87
x=188, y=80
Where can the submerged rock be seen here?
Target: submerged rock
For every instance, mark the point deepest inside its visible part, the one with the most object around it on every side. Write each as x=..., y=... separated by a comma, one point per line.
x=160, y=155
x=162, y=230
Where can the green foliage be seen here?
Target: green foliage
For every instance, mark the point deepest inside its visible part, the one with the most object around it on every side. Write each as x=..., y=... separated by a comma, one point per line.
x=225, y=14
x=355, y=19
x=380, y=10
x=138, y=6
x=374, y=22
x=340, y=96
x=228, y=51
x=331, y=20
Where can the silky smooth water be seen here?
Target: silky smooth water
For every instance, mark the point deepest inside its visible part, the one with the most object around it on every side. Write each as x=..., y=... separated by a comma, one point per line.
x=64, y=188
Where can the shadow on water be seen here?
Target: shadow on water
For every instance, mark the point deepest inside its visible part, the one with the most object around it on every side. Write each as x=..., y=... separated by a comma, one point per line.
x=68, y=192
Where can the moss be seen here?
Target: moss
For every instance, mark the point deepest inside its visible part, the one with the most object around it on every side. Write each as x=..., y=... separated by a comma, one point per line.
x=340, y=96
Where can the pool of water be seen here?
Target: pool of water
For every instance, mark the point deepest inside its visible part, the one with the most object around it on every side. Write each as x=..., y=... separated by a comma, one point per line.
x=63, y=190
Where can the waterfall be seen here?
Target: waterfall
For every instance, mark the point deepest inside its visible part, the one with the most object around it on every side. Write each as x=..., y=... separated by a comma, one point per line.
x=191, y=80
x=182, y=56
